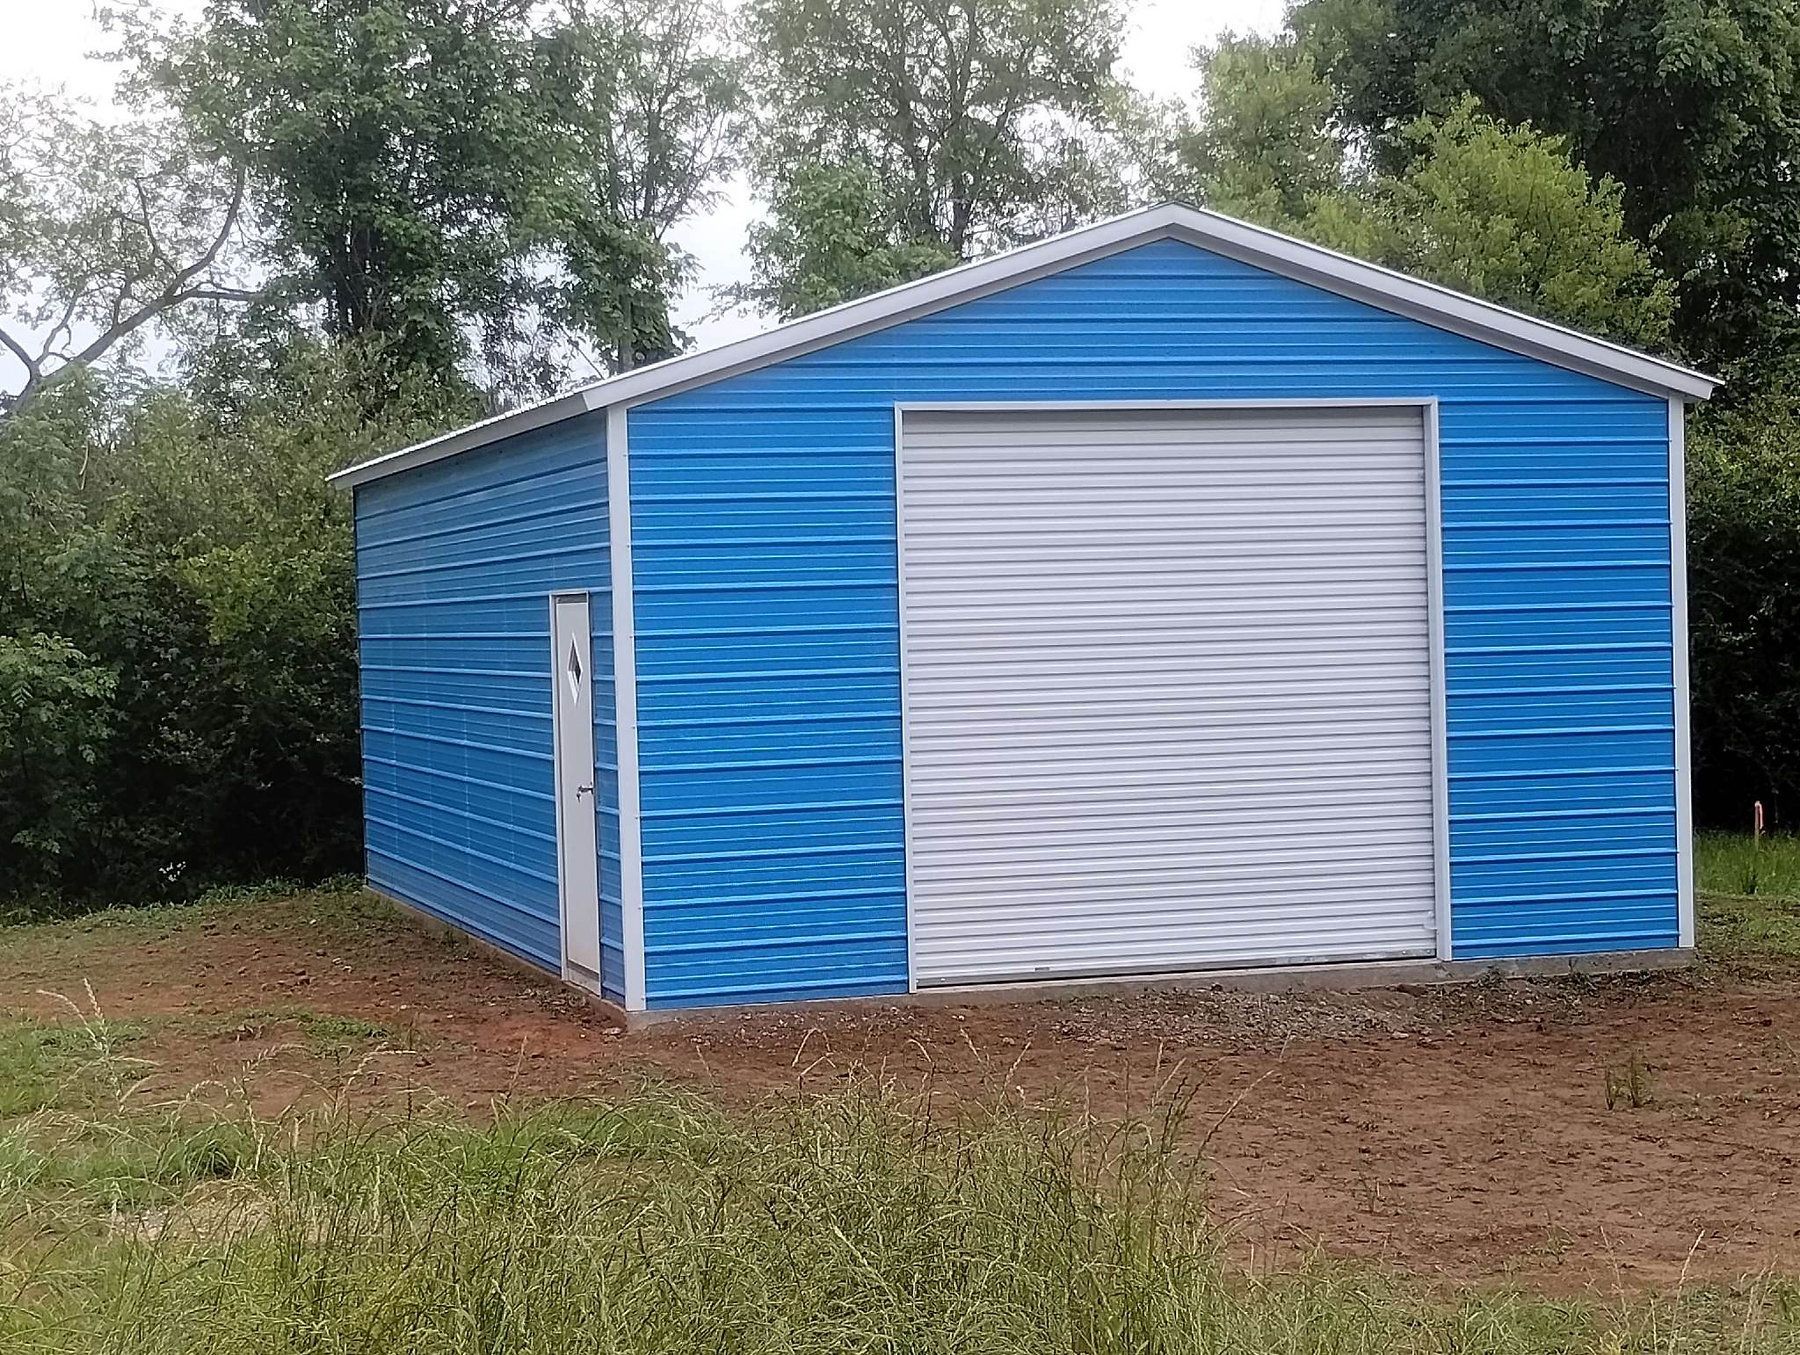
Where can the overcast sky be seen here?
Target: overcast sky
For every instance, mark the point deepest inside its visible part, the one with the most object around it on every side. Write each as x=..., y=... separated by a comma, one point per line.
x=48, y=42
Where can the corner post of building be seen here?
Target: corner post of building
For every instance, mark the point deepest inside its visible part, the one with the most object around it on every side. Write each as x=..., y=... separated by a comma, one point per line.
x=631, y=855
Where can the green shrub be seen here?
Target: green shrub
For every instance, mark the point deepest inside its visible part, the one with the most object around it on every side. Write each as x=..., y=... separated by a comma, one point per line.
x=1744, y=605
x=177, y=627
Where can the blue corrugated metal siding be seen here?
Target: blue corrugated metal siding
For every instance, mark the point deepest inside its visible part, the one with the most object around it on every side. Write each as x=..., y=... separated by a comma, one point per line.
x=767, y=639
x=454, y=566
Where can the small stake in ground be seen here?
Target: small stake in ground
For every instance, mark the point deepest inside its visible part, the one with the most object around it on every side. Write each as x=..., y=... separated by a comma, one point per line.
x=1756, y=834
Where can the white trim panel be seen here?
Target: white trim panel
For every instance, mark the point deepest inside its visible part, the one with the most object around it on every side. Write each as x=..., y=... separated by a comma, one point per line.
x=1131, y=752
x=1678, y=617
x=631, y=837
x=1440, y=712
x=1255, y=245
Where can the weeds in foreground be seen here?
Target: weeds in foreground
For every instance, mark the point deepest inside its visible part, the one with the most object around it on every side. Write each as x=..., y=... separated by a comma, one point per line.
x=81, y=1061
x=863, y=1219
x=1628, y=1084
x=323, y=1032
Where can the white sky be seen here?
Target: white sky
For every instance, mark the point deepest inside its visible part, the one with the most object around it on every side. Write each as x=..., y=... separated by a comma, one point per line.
x=48, y=42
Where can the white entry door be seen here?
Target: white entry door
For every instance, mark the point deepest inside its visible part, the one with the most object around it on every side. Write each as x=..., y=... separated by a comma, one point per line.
x=1167, y=689
x=578, y=874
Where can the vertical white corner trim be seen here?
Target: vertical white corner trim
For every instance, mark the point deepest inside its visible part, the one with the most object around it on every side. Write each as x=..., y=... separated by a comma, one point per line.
x=631, y=838
x=1440, y=728
x=1678, y=615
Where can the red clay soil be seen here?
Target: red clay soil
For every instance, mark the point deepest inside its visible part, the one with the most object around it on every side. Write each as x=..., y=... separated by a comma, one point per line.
x=1456, y=1132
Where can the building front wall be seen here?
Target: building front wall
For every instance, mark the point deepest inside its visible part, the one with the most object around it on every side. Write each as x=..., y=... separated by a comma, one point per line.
x=765, y=610
x=455, y=565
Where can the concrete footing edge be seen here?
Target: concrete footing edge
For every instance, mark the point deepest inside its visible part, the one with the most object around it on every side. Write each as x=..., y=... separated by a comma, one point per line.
x=1341, y=976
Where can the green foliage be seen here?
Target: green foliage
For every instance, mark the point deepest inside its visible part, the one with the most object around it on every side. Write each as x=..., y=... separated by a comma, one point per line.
x=467, y=182
x=1688, y=103
x=1743, y=461
x=56, y=705
x=1501, y=212
x=1263, y=146
x=1504, y=214
x=179, y=613
x=651, y=96
x=832, y=236
x=391, y=148
x=897, y=137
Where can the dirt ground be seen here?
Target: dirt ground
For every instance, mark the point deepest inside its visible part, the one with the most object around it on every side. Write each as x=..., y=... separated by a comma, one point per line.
x=1463, y=1133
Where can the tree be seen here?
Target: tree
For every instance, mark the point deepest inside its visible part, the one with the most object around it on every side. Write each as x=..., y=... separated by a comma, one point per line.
x=833, y=234
x=1689, y=104
x=1262, y=145
x=107, y=230
x=899, y=135
x=1743, y=462
x=466, y=180
x=1505, y=214
x=1497, y=211
x=652, y=95
x=392, y=148
x=56, y=703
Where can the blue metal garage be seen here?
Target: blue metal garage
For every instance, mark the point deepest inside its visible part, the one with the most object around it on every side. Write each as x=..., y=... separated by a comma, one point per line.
x=1170, y=596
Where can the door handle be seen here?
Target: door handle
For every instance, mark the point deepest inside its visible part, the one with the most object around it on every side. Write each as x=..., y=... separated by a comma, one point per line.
x=588, y=789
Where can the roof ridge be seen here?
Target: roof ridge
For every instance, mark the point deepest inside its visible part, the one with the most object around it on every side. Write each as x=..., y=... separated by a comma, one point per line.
x=1259, y=246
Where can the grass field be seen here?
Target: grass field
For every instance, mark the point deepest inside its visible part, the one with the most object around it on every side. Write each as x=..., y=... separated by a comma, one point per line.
x=1749, y=895
x=1733, y=863
x=861, y=1221
x=866, y=1219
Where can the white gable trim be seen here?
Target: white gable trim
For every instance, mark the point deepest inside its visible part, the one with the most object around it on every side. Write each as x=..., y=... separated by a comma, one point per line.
x=1281, y=254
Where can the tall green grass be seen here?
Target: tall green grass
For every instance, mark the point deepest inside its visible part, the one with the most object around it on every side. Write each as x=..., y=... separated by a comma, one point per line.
x=1734, y=863
x=1749, y=895
x=860, y=1221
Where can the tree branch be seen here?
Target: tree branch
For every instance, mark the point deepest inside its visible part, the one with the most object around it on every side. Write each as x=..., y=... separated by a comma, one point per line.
x=65, y=325
x=156, y=250
x=182, y=287
x=239, y=294
x=172, y=292
x=34, y=370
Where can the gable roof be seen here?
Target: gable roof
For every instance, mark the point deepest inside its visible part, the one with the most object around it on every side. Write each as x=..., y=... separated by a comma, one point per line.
x=1256, y=245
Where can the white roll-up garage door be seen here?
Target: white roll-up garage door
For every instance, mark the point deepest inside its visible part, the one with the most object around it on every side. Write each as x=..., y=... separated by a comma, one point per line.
x=1167, y=689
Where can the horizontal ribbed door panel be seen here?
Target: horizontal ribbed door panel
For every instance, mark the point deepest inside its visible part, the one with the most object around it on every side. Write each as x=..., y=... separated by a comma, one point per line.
x=1167, y=689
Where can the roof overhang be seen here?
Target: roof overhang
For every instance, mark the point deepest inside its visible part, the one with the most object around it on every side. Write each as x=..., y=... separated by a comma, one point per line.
x=1255, y=245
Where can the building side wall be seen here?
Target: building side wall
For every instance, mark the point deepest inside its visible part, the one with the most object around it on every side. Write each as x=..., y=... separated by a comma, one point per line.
x=455, y=562
x=765, y=605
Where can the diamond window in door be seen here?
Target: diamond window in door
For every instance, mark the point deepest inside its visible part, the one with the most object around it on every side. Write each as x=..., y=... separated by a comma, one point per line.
x=573, y=670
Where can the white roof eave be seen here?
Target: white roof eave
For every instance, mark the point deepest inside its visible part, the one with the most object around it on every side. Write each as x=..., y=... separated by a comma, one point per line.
x=1270, y=250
